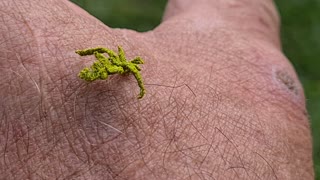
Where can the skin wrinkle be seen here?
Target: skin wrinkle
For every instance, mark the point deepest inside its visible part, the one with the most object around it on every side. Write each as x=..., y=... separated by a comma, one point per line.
x=237, y=152
x=22, y=136
x=27, y=133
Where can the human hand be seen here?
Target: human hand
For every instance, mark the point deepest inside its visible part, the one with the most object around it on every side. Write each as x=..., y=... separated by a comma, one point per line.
x=222, y=101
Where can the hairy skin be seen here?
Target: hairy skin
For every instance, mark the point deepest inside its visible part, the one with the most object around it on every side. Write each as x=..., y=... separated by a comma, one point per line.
x=223, y=102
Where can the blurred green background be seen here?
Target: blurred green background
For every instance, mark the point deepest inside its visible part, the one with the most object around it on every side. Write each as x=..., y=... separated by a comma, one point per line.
x=300, y=37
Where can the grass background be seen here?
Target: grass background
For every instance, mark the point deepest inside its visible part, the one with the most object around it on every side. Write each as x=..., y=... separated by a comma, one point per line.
x=300, y=36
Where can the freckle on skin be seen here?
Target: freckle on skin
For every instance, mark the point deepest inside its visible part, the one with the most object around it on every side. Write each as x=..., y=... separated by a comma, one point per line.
x=287, y=80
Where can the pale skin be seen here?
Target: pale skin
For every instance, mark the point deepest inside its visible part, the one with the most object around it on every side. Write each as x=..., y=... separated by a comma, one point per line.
x=222, y=100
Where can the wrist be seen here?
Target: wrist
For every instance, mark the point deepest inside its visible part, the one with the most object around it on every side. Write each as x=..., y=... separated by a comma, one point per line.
x=258, y=18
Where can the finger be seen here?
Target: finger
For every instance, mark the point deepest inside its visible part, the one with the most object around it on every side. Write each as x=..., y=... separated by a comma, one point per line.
x=254, y=17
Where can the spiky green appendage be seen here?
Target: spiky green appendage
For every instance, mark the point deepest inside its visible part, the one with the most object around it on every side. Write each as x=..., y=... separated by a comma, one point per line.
x=114, y=64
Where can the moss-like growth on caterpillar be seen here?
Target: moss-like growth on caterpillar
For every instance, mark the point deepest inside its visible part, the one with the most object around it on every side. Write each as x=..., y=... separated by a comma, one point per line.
x=114, y=64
